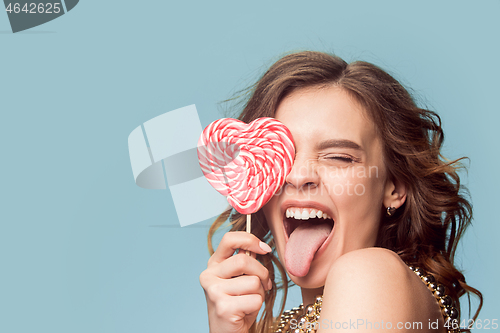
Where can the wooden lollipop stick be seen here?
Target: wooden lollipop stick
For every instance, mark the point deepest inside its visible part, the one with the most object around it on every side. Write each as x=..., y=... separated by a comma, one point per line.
x=249, y=228
x=249, y=223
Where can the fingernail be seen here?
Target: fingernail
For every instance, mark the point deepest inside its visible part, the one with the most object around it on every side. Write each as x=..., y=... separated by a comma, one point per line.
x=265, y=247
x=269, y=285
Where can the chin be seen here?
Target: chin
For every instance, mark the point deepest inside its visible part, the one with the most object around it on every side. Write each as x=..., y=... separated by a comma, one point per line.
x=310, y=281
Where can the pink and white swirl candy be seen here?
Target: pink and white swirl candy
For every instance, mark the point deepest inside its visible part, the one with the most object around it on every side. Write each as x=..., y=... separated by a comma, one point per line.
x=247, y=163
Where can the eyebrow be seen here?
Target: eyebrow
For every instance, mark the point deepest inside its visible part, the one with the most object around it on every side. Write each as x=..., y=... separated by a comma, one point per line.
x=338, y=144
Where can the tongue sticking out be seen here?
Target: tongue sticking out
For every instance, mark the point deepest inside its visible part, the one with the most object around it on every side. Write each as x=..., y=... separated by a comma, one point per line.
x=302, y=245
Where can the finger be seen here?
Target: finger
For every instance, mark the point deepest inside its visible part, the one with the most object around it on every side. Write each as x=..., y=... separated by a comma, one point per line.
x=248, y=253
x=249, y=303
x=243, y=285
x=239, y=305
x=241, y=264
x=238, y=240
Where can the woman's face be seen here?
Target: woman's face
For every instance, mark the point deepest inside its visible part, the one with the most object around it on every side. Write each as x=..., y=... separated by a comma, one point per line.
x=338, y=170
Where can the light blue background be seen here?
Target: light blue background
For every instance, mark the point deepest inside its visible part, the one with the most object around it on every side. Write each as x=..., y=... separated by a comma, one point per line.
x=83, y=249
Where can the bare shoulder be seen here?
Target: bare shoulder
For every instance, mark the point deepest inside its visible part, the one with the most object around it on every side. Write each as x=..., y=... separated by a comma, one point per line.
x=373, y=262
x=375, y=285
x=375, y=273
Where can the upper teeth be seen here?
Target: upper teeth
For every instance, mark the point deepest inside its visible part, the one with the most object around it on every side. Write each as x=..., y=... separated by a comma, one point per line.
x=305, y=213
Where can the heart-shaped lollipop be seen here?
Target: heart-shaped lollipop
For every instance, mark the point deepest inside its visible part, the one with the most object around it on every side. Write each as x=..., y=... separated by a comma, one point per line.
x=247, y=163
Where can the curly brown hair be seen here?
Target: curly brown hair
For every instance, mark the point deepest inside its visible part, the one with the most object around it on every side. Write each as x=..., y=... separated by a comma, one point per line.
x=425, y=231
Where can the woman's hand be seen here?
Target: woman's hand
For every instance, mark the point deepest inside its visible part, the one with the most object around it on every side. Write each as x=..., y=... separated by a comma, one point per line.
x=235, y=284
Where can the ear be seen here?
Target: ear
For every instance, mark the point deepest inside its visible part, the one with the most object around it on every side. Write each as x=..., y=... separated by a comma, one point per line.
x=395, y=193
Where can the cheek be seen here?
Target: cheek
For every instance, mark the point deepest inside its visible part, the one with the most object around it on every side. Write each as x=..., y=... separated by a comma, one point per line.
x=271, y=211
x=354, y=186
x=272, y=214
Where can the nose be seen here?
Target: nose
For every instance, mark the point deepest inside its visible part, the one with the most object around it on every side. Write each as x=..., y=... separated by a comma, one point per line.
x=303, y=173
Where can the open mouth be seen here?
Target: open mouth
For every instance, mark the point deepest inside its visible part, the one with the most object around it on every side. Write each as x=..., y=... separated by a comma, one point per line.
x=291, y=224
x=305, y=237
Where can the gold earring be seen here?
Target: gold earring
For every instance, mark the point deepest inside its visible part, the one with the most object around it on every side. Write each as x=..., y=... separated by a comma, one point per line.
x=390, y=211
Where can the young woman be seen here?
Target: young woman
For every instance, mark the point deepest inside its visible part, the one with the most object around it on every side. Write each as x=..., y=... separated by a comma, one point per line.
x=367, y=222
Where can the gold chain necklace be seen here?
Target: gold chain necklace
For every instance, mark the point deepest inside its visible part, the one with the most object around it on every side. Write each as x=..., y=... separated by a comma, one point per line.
x=301, y=320
x=306, y=320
